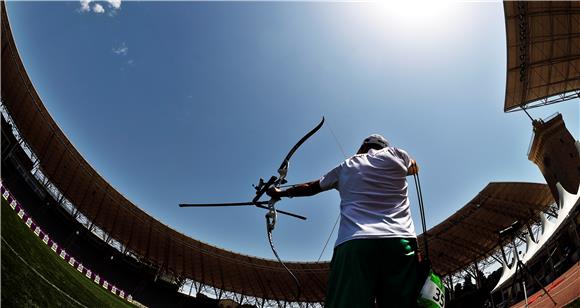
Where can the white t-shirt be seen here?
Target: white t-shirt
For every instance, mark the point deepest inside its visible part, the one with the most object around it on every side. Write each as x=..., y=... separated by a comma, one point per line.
x=373, y=192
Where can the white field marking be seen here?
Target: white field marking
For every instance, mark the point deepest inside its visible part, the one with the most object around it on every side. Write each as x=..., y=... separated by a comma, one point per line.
x=40, y=275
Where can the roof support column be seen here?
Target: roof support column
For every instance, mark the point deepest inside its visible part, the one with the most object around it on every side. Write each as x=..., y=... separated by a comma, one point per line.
x=191, y=287
x=60, y=199
x=503, y=255
x=75, y=213
x=20, y=139
x=531, y=233
x=496, y=258
x=449, y=282
x=478, y=278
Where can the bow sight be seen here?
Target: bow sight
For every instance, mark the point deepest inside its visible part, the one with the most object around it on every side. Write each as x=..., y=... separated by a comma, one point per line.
x=262, y=188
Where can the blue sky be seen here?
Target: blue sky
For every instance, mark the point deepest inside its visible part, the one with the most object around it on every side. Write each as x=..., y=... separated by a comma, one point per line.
x=193, y=102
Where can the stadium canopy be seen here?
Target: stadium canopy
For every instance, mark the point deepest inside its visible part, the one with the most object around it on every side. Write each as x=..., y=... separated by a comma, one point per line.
x=543, y=53
x=467, y=236
x=471, y=234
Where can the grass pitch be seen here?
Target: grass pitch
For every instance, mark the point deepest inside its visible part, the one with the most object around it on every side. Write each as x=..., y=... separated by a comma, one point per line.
x=34, y=276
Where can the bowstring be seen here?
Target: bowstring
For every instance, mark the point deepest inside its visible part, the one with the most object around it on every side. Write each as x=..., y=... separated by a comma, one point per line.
x=338, y=217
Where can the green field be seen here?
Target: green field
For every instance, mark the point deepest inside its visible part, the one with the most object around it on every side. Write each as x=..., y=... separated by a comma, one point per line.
x=35, y=276
x=574, y=304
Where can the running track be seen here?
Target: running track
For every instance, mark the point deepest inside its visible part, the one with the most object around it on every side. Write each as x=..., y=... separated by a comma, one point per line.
x=564, y=290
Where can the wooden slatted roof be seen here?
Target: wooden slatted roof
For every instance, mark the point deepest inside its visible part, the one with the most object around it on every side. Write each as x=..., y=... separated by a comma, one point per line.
x=543, y=52
x=471, y=234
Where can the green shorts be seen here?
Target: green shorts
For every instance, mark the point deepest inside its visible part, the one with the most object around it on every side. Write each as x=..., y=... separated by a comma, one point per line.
x=366, y=271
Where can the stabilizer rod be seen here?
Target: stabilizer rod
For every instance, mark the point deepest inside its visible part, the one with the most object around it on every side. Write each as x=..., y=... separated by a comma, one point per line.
x=257, y=204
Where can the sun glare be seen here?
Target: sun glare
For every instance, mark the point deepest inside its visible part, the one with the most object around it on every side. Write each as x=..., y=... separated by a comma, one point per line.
x=414, y=14
x=419, y=11
x=417, y=21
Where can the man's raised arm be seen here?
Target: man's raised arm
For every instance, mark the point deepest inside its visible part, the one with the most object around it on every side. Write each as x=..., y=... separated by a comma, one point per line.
x=299, y=190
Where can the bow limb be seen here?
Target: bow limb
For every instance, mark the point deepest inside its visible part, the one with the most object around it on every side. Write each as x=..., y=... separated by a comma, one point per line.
x=283, y=170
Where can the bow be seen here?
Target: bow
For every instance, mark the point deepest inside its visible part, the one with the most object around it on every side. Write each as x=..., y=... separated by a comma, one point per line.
x=275, y=182
x=261, y=188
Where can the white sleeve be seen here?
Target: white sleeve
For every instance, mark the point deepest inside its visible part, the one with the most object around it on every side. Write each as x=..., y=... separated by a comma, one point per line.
x=330, y=180
x=404, y=156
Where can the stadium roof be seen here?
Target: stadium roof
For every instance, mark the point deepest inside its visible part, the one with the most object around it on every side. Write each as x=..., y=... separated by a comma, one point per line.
x=467, y=236
x=471, y=234
x=543, y=52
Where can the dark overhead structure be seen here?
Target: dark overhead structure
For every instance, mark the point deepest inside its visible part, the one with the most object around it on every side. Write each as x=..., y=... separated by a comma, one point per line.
x=554, y=151
x=543, y=53
x=466, y=237
x=471, y=234
x=543, y=59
